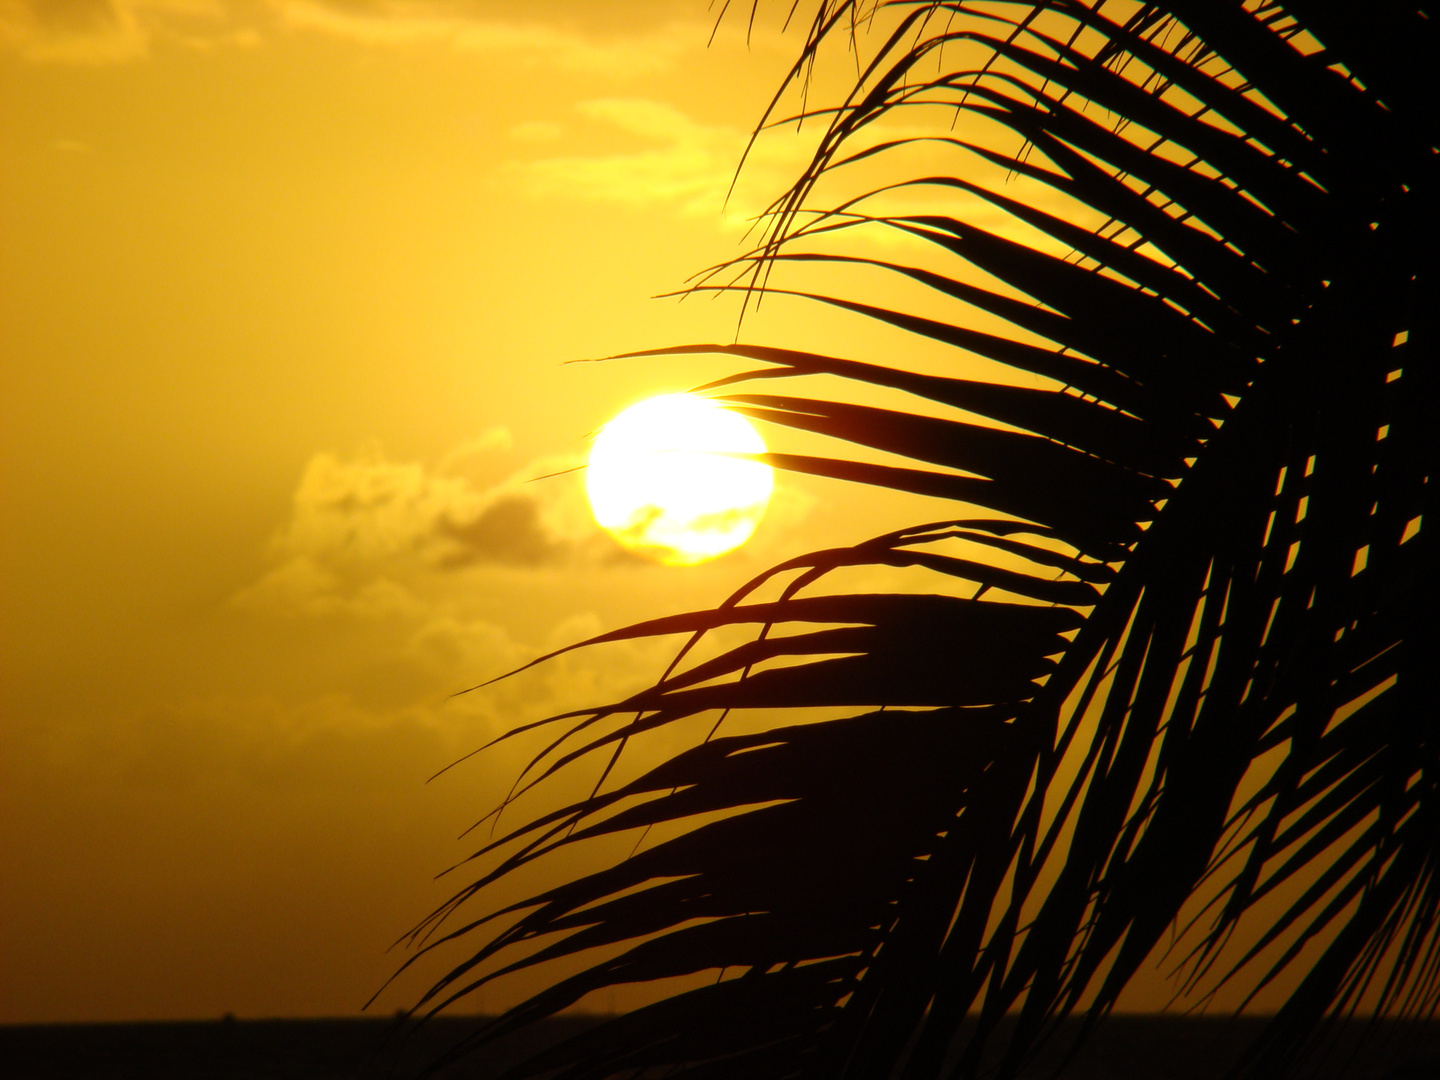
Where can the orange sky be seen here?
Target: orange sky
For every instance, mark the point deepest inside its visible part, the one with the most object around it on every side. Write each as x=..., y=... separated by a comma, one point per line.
x=286, y=294
x=287, y=288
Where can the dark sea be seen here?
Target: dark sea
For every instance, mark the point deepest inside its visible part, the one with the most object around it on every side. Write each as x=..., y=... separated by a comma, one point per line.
x=1125, y=1048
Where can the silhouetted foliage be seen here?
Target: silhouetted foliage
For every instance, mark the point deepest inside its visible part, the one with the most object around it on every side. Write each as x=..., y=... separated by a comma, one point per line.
x=1176, y=678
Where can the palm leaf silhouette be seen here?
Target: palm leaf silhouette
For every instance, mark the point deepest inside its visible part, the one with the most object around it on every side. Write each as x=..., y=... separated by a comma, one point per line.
x=1162, y=678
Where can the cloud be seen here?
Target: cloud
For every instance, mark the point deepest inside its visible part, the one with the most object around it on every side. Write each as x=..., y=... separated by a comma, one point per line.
x=497, y=437
x=509, y=530
x=302, y=585
x=368, y=510
x=105, y=31
x=465, y=28
x=688, y=165
x=113, y=31
x=458, y=652
x=367, y=534
x=392, y=720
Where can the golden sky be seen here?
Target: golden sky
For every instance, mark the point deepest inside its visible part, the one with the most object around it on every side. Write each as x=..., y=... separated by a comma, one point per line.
x=287, y=288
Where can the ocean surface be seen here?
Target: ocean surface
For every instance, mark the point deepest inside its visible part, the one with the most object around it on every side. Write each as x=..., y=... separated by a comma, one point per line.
x=1125, y=1048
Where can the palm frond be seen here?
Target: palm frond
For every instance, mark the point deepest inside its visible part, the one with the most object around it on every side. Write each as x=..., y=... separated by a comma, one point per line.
x=1171, y=681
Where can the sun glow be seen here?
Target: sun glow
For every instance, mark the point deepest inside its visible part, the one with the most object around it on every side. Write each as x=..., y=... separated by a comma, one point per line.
x=662, y=480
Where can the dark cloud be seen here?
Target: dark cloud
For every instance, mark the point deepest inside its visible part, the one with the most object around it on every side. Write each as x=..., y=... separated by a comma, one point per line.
x=510, y=530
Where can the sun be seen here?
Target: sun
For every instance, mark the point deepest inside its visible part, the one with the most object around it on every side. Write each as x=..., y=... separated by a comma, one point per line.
x=662, y=479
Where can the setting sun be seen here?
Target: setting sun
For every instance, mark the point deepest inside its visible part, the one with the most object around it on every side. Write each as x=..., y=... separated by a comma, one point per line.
x=662, y=480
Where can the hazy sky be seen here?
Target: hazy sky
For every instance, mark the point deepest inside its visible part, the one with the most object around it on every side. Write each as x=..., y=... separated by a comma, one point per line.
x=287, y=290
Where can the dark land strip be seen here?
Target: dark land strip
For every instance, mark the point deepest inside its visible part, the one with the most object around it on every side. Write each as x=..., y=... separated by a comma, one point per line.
x=1125, y=1048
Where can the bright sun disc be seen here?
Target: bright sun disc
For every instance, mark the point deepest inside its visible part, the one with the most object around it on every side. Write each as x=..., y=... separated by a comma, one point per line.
x=661, y=483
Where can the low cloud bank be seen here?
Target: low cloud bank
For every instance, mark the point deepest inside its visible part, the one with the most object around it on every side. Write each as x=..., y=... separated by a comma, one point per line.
x=366, y=534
